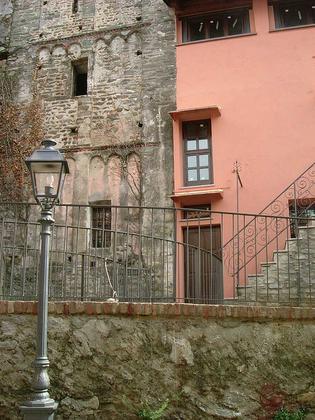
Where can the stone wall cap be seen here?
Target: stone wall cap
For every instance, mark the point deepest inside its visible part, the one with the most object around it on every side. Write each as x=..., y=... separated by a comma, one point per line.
x=162, y=310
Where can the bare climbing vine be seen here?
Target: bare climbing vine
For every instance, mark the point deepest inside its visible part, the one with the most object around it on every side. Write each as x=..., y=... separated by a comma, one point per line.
x=134, y=175
x=20, y=132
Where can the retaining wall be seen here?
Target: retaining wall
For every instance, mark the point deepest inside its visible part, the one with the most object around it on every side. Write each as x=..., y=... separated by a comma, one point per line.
x=110, y=361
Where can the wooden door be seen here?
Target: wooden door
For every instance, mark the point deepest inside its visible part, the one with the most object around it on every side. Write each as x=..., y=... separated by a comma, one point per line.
x=203, y=265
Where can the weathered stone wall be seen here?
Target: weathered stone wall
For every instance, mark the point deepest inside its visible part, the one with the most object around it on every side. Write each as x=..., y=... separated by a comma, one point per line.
x=109, y=361
x=130, y=47
x=6, y=10
x=118, y=137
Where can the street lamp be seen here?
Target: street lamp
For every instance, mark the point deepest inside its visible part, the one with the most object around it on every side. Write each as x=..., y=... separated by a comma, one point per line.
x=48, y=169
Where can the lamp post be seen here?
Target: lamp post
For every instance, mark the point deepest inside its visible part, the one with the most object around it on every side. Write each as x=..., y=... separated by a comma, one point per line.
x=48, y=169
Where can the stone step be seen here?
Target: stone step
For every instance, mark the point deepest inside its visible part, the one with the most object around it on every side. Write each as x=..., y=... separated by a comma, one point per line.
x=292, y=244
x=306, y=232
x=309, y=226
x=268, y=264
x=291, y=272
x=279, y=278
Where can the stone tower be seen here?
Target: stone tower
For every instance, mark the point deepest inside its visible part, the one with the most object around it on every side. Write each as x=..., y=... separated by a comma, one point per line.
x=105, y=71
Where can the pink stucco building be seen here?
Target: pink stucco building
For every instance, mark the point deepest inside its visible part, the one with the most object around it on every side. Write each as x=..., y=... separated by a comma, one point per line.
x=244, y=125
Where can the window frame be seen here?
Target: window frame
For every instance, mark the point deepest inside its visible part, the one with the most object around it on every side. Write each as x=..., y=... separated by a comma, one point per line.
x=246, y=23
x=104, y=241
x=197, y=152
x=278, y=18
x=197, y=212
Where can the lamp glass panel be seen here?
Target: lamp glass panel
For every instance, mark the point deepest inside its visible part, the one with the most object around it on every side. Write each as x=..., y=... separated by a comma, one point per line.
x=47, y=178
x=61, y=184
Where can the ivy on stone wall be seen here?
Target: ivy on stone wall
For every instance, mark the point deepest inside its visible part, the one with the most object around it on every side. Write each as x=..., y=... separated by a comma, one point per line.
x=20, y=132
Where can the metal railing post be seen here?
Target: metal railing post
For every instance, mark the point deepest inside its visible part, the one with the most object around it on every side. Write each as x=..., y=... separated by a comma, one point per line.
x=82, y=277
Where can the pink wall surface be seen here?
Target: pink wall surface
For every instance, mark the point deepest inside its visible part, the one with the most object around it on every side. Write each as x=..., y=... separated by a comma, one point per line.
x=265, y=84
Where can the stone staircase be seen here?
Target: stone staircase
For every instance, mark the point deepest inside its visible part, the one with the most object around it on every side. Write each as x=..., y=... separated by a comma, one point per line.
x=289, y=278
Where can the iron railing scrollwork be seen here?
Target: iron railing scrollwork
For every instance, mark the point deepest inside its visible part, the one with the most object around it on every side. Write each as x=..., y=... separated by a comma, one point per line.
x=255, y=239
x=153, y=254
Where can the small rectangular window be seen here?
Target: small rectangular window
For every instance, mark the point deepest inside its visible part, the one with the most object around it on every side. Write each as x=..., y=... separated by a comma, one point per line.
x=293, y=13
x=80, y=74
x=197, y=153
x=216, y=25
x=101, y=225
x=198, y=212
x=75, y=6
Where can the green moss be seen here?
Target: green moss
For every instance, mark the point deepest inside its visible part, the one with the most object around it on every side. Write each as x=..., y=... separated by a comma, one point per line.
x=284, y=414
x=153, y=414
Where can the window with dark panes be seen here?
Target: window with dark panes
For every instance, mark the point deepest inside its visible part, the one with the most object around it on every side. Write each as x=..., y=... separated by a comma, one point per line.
x=75, y=6
x=198, y=212
x=216, y=25
x=101, y=226
x=80, y=76
x=197, y=153
x=293, y=13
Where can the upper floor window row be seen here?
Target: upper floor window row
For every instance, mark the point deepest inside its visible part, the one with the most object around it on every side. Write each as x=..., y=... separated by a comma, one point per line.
x=293, y=13
x=238, y=21
x=216, y=25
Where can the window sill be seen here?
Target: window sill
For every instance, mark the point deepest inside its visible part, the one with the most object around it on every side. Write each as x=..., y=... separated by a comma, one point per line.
x=196, y=186
x=205, y=191
x=288, y=28
x=215, y=39
x=200, y=186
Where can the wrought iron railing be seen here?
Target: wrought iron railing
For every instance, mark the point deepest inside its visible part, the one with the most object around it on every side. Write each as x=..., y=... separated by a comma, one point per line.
x=297, y=201
x=154, y=254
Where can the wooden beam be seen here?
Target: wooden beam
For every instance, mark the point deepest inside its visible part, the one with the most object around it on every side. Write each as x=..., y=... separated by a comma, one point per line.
x=186, y=7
